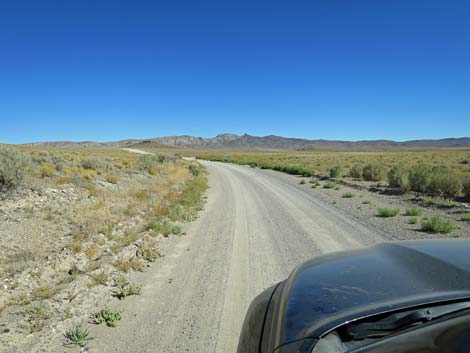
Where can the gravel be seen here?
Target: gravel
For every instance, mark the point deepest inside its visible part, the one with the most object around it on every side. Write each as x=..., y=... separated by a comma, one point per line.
x=257, y=226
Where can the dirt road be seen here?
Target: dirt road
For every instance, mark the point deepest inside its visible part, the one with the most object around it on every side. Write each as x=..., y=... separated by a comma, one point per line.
x=257, y=226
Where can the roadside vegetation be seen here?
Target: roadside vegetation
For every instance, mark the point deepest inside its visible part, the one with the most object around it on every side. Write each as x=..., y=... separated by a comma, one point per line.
x=388, y=212
x=433, y=187
x=75, y=223
x=437, y=224
x=438, y=173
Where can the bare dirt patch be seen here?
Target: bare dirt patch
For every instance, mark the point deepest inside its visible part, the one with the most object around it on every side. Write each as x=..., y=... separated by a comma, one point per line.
x=71, y=237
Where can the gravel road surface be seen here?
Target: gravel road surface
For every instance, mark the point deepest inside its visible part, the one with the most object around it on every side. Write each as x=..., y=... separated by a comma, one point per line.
x=256, y=227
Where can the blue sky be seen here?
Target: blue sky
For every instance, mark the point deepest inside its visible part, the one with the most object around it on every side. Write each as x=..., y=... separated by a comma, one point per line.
x=108, y=70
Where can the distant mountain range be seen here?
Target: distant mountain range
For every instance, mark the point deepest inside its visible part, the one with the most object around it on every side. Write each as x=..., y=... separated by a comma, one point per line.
x=271, y=142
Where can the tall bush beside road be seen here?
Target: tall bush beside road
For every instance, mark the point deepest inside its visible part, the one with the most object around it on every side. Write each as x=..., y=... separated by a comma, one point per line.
x=445, y=182
x=14, y=167
x=420, y=177
x=466, y=187
x=398, y=177
x=374, y=172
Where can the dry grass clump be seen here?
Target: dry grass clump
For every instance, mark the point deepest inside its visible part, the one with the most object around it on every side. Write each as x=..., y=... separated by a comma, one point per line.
x=77, y=247
x=92, y=266
x=45, y=291
x=92, y=163
x=46, y=170
x=92, y=251
x=123, y=288
x=112, y=178
x=100, y=278
x=127, y=240
x=126, y=265
x=96, y=219
x=36, y=317
x=148, y=250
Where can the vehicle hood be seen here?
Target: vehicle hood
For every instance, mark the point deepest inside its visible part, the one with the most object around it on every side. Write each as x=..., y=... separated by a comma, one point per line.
x=331, y=290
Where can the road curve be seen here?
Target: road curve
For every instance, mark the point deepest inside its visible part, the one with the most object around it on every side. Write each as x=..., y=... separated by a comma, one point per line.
x=256, y=227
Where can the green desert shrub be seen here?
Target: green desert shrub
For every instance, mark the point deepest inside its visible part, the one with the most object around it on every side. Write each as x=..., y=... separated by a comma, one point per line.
x=108, y=316
x=398, y=177
x=444, y=182
x=77, y=335
x=388, y=212
x=148, y=160
x=413, y=211
x=165, y=158
x=14, y=167
x=329, y=185
x=347, y=195
x=374, y=172
x=465, y=218
x=58, y=162
x=194, y=169
x=91, y=163
x=315, y=183
x=356, y=171
x=466, y=186
x=150, y=163
x=160, y=227
x=437, y=224
x=179, y=212
x=336, y=171
x=176, y=230
x=437, y=201
x=420, y=177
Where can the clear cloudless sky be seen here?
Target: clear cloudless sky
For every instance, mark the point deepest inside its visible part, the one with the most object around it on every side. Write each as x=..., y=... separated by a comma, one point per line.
x=334, y=69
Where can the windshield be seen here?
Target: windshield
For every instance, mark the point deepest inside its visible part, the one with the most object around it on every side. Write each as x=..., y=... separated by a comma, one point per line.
x=364, y=332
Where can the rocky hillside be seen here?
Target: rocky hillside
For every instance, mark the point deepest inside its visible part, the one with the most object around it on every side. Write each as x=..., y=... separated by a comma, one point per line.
x=271, y=142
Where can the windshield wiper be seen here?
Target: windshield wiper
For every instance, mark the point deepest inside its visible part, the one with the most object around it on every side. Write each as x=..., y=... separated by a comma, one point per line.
x=399, y=321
